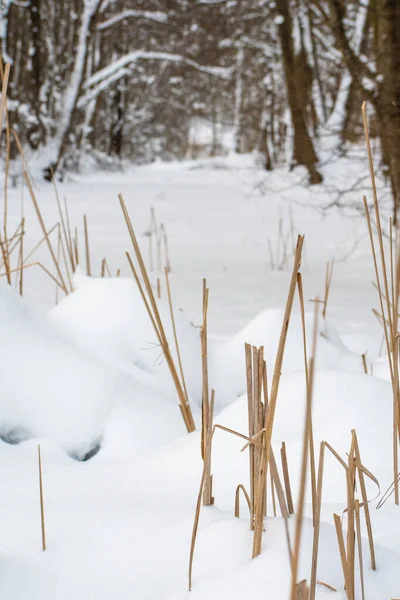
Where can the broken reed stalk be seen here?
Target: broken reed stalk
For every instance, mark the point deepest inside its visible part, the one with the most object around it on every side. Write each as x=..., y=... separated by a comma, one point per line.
x=365, y=502
x=42, y=522
x=36, y=264
x=392, y=319
x=76, y=247
x=286, y=479
x=48, y=242
x=158, y=288
x=87, y=247
x=328, y=281
x=306, y=444
x=239, y=488
x=4, y=87
x=311, y=450
x=317, y=523
x=364, y=362
x=204, y=371
x=155, y=318
x=270, y=413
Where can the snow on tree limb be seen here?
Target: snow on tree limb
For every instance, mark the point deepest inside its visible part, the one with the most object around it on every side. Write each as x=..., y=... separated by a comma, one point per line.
x=157, y=16
x=136, y=55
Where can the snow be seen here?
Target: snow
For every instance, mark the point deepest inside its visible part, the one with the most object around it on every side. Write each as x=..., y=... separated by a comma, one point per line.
x=89, y=372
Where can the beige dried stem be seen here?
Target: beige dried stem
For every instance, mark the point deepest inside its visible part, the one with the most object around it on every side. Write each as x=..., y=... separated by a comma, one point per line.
x=390, y=339
x=201, y=488
x=270, y=413
x=311, y=450
x=249, y=380
x=240, y=488
x=306, y=445
x=392, y=319
x=41, y=497
x=87, y=247
x=317, y=523
x=65, y=232
x=286, y=479
x=48, y=242
x=328, y=282
x=152, y=309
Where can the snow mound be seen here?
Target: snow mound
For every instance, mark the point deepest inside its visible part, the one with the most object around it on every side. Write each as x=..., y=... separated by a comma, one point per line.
x=227, y=371
x=48, y=387
x=107, y=317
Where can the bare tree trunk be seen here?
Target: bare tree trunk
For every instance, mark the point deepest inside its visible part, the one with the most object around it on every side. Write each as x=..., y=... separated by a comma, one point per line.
x=303, y=148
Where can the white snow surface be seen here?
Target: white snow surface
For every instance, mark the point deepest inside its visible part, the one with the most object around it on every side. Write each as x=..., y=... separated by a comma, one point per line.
x=90, y=370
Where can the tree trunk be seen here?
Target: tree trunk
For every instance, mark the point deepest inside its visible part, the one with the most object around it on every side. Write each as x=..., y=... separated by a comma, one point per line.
x=388, y=105
x=303, y=148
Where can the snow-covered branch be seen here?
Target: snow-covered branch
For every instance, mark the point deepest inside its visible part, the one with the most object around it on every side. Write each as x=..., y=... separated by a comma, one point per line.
x=157, y=16
x=137, y=55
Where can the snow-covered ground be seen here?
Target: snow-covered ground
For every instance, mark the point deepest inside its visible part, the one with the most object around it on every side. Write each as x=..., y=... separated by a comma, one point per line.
x=89, y=372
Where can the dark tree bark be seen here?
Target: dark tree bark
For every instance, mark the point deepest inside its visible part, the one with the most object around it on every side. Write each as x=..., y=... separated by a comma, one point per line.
x=303, y=148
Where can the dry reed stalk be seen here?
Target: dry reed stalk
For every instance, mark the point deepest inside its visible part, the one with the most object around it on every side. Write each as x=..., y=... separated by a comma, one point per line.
x=69, y=234
x=328, y=282
x=118, y=272
x=393, y=332
x=204, y=371
x=249, y=381
x=365, y=503
x=311, y=449
x=21, y=260
x=306, y=443
x=153, y=230
x=48, y=242
x=271, y=255
x=272, y=493
x=350, y=551
x=388, y=331
x=87, y=247
x=208, y=499
x=329, y=587
x=278, y=486
x=166, y=249
x=270, y=413
x=156, y=321
x=342, y=550
x=158, y=288
x=364, y=362
x=286, y=479
x=237, y=500
x=199, y=496
x=42, y=522
x=359, y=547
x=66, y=234
x=317, y=522
x=58, y=258
x=76, y=247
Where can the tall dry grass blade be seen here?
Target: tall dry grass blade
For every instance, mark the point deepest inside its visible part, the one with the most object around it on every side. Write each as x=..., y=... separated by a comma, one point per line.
x=178, y=353
x=306, y=444
x=270, y=414
x=36, y=264
x=184, y=404
x=359, y=547
x=204, y=371
x=311, y=450
x=87, y=247
x=158, y=288
x=249, y=382
x=208, y=499
x=365, y=504
x=286, y=479
x=44, y=231
x=66, y=234
x=278, y=486
x=166, y=250
x=272, y=493
x=350, y=479
x=21, y=260
x=342, y=550
x=317, y=523
x=76, y=247
x=41, y=496
x=69, y=233
x=328, y=282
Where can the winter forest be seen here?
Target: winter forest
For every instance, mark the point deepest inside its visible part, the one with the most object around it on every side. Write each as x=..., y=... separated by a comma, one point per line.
x=125, y=79
x=199, y=299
